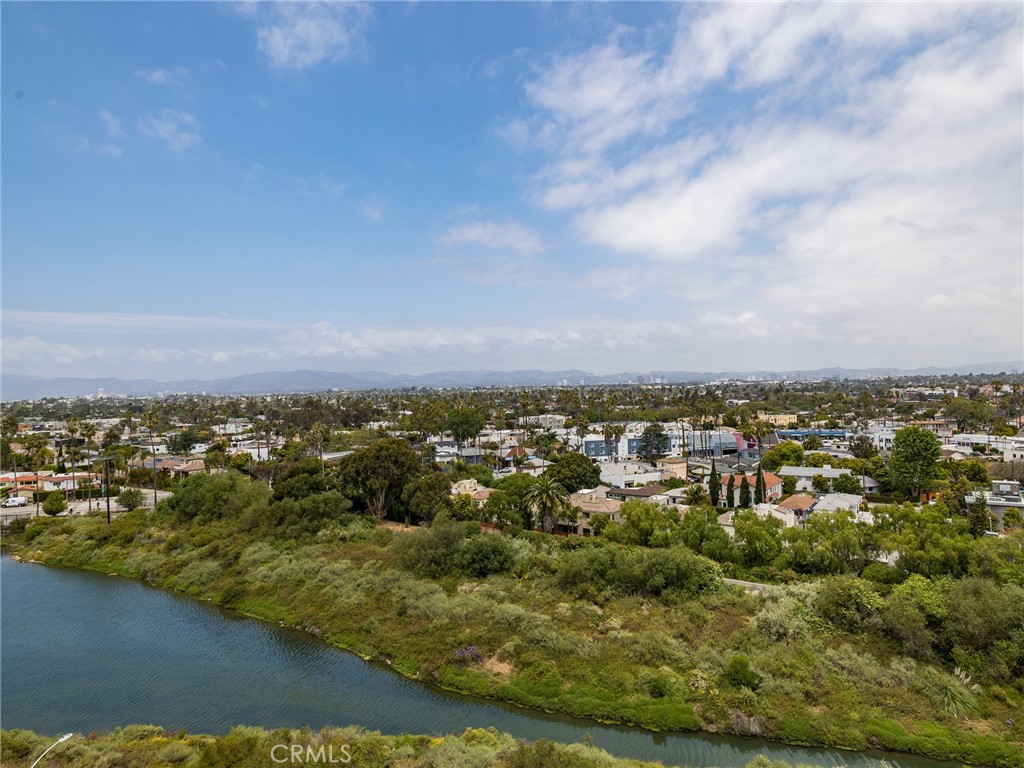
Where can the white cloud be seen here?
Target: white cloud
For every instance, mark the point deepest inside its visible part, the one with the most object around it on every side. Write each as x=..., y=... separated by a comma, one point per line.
x=75, y=143
x=324, y=340
x=299, y=35
x=178, y=129
x=163, y=76
x=112, y=123
x=504, y=235
x=81, y=322
x=254, y=172
x=373, y=209
x=862, y=160
x=331, y=186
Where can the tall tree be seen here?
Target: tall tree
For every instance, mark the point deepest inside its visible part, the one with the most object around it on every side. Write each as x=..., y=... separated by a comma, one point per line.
x=618, y=430
x=582, y=429
x=574, y=471
x=425, y=496
x=318, y=435
x=39, y=453
x=730, y=491
x=653, y=443
x=465, y=424
x=714, y=485
x=979, y=517
x=89, y=431
x=73, y=426
x=550, y=501
x=9, y=430
x=759, y=487
x=380, y=472
x=744, y=492
x=914, y=460
x=151, y=420
x=111, y=437
x=608, y=433
x=862, y=447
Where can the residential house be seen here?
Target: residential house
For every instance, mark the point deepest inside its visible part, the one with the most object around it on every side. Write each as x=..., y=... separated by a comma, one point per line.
x=653, y=492
x=629, y=474
x=763, y=511
x=778, y=419
x=772, y=484
x=67, y=482
x=544, y=421
x=1004, y=496
x=832, y=502
x=805, y=477
x=472, y=456
x=672, y=467
x=589, y=503
x=799, y=504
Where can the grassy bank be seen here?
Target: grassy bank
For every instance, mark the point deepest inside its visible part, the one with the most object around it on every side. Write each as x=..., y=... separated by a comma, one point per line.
x=148, y=746
x=687, y=656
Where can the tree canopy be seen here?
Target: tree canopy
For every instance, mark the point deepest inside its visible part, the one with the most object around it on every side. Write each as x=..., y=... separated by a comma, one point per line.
x=574, y=471
x=654, y=443
x=913, y=461
x=379, y=472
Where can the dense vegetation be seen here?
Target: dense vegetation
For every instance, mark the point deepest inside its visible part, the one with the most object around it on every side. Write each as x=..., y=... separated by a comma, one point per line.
x=148, y=746
x=614, y=631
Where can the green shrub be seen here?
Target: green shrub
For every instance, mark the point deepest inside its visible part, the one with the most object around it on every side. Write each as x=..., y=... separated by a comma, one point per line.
x=432, y=551
x=484, y=555
x=740, y=675
x=847, y=602
x=131, y=498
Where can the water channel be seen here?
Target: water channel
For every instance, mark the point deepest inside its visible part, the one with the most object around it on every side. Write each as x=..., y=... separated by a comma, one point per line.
x=82, y=651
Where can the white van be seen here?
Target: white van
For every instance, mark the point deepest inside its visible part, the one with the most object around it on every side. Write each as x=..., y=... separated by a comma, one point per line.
x=15, y=501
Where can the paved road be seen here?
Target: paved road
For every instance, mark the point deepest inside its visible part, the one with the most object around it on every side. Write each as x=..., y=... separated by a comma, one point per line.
x=81, y=507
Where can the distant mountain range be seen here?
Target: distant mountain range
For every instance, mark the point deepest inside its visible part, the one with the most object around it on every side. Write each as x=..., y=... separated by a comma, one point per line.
x=22, y=387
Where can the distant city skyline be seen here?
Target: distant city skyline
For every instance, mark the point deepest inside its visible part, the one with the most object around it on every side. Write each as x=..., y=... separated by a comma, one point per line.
x=198, y=190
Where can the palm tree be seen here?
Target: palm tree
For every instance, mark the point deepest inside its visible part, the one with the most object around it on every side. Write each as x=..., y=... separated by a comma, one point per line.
x=549, y=499
x=618, y=430
x=582, y=429
x=89, y=432
x=9, y=430
x=318, y=434
x=150, y=420
x=73, y=427
x=38, y=453
x=608, y=435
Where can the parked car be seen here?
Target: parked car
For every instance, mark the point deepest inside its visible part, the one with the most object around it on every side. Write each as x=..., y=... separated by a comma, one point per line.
x=15, y=501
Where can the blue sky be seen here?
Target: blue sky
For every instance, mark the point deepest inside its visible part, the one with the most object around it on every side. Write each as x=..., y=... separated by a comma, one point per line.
x=201, y=190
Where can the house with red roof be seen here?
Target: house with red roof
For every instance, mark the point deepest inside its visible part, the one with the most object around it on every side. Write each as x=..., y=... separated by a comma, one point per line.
x=772, y=488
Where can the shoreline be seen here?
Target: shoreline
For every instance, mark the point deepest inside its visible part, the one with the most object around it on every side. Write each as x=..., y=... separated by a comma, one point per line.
x=382, y=662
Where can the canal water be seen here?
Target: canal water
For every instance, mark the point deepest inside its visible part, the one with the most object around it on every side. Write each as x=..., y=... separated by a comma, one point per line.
x=82, y=651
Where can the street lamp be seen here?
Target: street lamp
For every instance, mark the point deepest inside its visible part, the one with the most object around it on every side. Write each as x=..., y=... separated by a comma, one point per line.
x=61, y=740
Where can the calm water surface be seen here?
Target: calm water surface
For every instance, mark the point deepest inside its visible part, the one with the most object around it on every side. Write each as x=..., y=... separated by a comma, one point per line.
x=82, y=651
